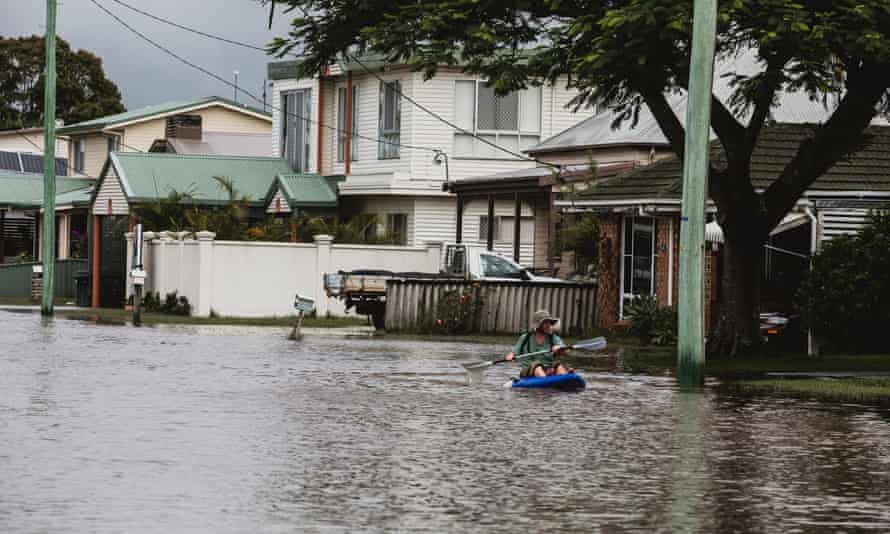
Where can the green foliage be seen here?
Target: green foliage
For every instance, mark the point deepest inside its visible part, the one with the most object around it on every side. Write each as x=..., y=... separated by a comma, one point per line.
x=361, y=228
x=581, y=236
x=846, y=296
x=166, y=213
x=230, y=221
x=83, y=91
x=456, y=312
x=651, y=323
x=171, y=304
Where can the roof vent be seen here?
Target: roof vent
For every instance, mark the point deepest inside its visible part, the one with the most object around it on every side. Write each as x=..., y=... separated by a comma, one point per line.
x=184, y=127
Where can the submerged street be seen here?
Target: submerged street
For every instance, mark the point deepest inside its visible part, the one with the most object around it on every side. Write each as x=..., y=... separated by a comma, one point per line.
x=183, y=429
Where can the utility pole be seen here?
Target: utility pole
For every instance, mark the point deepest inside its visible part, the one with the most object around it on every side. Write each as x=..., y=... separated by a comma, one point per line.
x=691, y=344
x=49, y=161
x=235, y=88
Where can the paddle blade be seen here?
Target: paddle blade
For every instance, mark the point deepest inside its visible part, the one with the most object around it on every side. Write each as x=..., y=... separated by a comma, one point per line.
x=598, y=343
x=477, y=366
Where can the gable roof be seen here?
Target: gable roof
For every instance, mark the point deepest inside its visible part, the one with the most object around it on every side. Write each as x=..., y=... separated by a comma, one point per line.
x=148, y=176
x=305, y=190
x=866, y=171
x=26, y=191
x=597, y=132
x=157, y=111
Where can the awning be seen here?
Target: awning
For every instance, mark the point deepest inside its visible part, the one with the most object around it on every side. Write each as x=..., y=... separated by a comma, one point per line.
x=714, y=234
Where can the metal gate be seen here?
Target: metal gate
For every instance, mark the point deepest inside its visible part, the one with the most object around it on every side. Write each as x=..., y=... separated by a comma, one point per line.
x=112, y=262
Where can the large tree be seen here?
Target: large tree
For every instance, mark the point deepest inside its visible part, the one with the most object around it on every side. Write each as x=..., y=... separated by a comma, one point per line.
x=623, y=54
x=82, y=90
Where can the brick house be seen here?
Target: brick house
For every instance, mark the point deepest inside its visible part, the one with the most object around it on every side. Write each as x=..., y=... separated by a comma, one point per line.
x=638, y=213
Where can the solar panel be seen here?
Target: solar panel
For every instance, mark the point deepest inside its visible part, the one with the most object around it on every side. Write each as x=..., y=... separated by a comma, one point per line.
x=9, y=161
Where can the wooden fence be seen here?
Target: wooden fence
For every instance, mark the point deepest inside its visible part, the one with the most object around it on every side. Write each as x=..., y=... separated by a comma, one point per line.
x=15, y=279
x=504, y=307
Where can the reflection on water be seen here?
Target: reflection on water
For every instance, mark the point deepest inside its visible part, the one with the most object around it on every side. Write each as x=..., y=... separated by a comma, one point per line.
x=117, y=429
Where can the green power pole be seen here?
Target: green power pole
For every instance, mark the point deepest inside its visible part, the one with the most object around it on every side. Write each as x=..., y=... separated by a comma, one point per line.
x=49, y=162
x=691, y=345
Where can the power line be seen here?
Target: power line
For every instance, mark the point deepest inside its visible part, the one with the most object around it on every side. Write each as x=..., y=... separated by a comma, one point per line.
x=188, y=29
x=74, y=173
x=248, y=93
x=361, y=64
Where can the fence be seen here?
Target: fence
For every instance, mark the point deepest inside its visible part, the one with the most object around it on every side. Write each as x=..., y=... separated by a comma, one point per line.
x=506, y=307
x=15, y=279
x=256, y=279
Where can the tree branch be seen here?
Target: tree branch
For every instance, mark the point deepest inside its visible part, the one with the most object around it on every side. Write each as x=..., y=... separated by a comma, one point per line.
x=830, y=142
x=763, y=101
x=730, y=132
x=664, y=115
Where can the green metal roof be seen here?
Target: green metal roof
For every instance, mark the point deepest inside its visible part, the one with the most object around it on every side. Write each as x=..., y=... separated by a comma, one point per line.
x=148, y=111
x=151, y=176
x=26, y=191
x=305, y=190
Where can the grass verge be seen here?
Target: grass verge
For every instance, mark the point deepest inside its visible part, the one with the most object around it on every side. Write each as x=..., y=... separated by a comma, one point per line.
x=117, y=316
x=860, y=390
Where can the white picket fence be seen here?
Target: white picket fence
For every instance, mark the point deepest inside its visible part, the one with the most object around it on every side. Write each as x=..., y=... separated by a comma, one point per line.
x=260, y=279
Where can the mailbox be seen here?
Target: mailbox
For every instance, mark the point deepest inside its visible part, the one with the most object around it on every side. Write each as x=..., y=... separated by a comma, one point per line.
x=304, y=304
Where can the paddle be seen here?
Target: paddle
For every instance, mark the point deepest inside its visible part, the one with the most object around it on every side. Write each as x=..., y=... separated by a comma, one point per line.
x=598, y=343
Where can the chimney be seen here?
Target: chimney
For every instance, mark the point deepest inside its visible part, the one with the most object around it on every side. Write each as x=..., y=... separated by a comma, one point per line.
x=184, y=127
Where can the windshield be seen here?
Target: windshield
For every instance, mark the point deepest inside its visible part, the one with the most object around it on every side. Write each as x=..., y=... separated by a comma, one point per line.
x=497, y=267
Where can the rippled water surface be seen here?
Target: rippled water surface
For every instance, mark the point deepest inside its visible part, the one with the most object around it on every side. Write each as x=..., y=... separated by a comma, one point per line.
x=117, y=429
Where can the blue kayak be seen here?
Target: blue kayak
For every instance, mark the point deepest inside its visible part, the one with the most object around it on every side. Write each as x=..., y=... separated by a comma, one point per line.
x=566, y=381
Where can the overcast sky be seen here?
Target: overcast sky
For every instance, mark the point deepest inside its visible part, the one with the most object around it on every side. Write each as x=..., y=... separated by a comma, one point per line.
x=144, y=74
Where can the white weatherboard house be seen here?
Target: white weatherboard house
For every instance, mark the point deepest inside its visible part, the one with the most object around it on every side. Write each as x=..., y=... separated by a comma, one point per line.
x=404, y=185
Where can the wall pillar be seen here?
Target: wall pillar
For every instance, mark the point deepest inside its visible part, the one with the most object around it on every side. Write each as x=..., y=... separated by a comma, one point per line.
x=148, y=261
x=205, y=274
x=323, y=265
x=434, y=255
x=161, y=275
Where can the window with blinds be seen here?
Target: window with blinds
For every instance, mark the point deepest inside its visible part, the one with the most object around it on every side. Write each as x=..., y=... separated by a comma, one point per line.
x=512, y=121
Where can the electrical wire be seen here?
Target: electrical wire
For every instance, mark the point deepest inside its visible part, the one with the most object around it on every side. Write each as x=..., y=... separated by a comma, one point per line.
x=72, y=172
x=248, y=93
x=360, y=63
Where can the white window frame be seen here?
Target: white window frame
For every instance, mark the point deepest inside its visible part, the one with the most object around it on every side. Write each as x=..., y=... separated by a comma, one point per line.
x=341, y=125
x=304, y=116
x=80, y=154
x=628, y=219
x=518, y=133
x=390, y=139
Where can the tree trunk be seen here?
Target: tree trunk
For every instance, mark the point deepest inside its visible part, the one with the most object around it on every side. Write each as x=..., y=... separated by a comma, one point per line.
x=737, y=331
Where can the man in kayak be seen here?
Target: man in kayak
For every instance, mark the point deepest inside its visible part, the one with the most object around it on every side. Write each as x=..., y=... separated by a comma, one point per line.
x=541, y=337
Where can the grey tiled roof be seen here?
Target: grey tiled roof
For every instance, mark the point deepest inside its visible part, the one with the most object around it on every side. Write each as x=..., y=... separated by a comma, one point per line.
x=867, y=169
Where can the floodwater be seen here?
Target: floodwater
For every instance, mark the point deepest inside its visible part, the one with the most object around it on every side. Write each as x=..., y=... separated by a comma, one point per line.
x=119, y=429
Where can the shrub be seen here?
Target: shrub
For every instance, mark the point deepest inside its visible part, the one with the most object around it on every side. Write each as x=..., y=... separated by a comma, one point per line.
x=172, y=304
x=651, y=323
x=846, y=296
x=456, y=312
x=582, y=237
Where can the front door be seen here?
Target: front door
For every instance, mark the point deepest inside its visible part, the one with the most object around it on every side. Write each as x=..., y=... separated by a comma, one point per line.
x=112, y=262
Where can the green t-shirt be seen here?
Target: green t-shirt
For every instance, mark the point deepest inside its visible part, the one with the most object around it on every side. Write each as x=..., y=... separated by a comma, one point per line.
x=524, y=347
